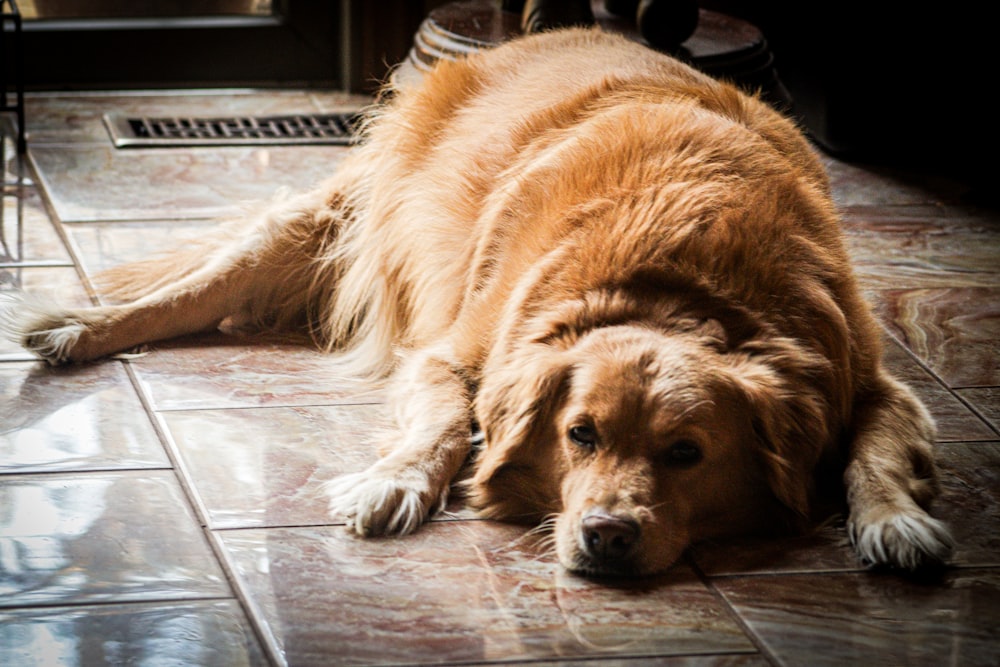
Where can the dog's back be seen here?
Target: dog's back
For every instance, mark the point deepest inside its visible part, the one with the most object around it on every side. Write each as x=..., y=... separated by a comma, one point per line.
x=454, y=179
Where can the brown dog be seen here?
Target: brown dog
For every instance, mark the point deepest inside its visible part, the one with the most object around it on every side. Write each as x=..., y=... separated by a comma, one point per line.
x=629, y=275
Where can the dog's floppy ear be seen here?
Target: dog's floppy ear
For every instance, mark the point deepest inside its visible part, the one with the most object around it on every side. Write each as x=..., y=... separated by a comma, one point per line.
x=788, y=415
x=516, y=472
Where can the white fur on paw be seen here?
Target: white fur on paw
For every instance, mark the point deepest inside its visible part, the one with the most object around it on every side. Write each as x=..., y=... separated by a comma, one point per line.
x=378, y=503
x=39, y=327
x=54, y=344
x=903, y=540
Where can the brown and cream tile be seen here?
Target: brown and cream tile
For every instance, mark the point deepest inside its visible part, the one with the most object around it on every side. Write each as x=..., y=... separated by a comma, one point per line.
x=216, y=370
x=842, y=619
x=954, y=331
x=265, y=466
x=100, y=246
x=89, y=182
x=970, y=500
x=955, y=421
x=924, y=248
x=986, y=401
x=27, y=236
x=101, y=537
x=208, y=632
x=82, y=417
x=460, y=592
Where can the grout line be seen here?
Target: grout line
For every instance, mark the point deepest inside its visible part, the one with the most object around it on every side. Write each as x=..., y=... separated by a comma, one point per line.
x=214, y=407
x=255, y=616
x=748, y=632
x=166, y=442
x=201, y=513
x=937, y=378
x=976, y=411
x=104, y=602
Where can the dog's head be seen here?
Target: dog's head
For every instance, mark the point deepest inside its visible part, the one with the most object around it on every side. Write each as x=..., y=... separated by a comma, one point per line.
x=635, y=441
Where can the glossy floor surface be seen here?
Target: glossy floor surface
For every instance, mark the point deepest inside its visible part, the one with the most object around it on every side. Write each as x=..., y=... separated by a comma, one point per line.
x=164, y=509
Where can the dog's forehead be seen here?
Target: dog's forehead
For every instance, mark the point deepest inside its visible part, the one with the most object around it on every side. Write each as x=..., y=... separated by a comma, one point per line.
x=645, y=376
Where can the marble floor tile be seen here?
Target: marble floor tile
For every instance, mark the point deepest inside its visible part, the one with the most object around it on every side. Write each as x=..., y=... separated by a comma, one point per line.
x=90, y=182
x=101, y=537
x=717, y=660
x=27, y=236
x=871, y=185
x=77, y=117
x=865, y=619
x=104, y=558
x=333, y=101
x=825, y=549
x=211, y=633
x=970, y=500
x=265, y=466
x=85, y=417
x=926, y=248
x=100, y=246
x=969, y=504
x=986, y=401
x=62, y=283
x=222, y=371
x=955, y=332
x=465, y=591
x=955, y=421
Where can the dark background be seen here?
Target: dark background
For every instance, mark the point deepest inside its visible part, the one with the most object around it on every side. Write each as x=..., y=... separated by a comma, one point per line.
x=908, y=85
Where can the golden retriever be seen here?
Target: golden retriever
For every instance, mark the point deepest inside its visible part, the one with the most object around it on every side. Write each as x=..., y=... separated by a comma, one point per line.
x=628, y=277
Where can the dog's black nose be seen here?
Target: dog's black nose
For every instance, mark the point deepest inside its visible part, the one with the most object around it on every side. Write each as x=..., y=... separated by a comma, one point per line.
x=608, y=537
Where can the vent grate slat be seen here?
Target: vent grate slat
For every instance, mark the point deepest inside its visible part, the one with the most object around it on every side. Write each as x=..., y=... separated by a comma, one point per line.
x=333, y=128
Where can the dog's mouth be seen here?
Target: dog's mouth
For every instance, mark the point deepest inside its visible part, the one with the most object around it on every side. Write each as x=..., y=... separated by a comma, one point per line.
x=621, y=570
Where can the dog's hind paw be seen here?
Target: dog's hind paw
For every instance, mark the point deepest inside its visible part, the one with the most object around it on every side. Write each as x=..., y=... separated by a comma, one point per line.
x=907, y=540
x=39, y=328
x=375, y=502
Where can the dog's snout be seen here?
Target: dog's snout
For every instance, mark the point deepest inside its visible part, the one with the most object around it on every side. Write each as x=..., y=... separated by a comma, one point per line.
x=609, y=537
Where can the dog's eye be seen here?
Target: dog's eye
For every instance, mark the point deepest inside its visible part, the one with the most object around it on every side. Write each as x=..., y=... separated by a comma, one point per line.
x=682, y=453
x=584, y=436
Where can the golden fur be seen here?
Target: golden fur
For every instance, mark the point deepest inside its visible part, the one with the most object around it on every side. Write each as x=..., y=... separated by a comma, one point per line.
x=630, y=276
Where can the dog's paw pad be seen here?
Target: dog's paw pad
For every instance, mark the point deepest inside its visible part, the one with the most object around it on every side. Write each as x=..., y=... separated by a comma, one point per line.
x=907, y=540
x=376, y=504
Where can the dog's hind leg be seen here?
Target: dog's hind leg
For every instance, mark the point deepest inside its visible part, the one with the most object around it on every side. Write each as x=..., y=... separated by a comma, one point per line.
x=891, y=480
x=260, y=269
x=422, y=454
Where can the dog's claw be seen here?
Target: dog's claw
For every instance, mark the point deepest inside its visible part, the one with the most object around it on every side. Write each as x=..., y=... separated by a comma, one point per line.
x=909, y=541
x=374, y=503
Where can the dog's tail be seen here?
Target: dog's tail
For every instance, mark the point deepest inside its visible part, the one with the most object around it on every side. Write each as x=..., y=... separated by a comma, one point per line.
x=352, y=311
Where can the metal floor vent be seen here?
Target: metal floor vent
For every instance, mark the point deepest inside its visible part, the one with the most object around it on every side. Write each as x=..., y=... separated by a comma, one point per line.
x=332, y=128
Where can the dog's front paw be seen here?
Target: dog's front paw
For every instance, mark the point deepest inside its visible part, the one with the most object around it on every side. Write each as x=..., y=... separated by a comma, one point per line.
x=910, y=540
x=381, y=502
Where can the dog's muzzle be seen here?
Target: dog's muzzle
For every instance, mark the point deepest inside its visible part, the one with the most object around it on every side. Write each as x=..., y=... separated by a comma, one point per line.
x=608, y=541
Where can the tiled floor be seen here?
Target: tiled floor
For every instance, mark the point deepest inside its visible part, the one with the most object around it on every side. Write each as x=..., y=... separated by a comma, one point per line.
x=163, y=510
